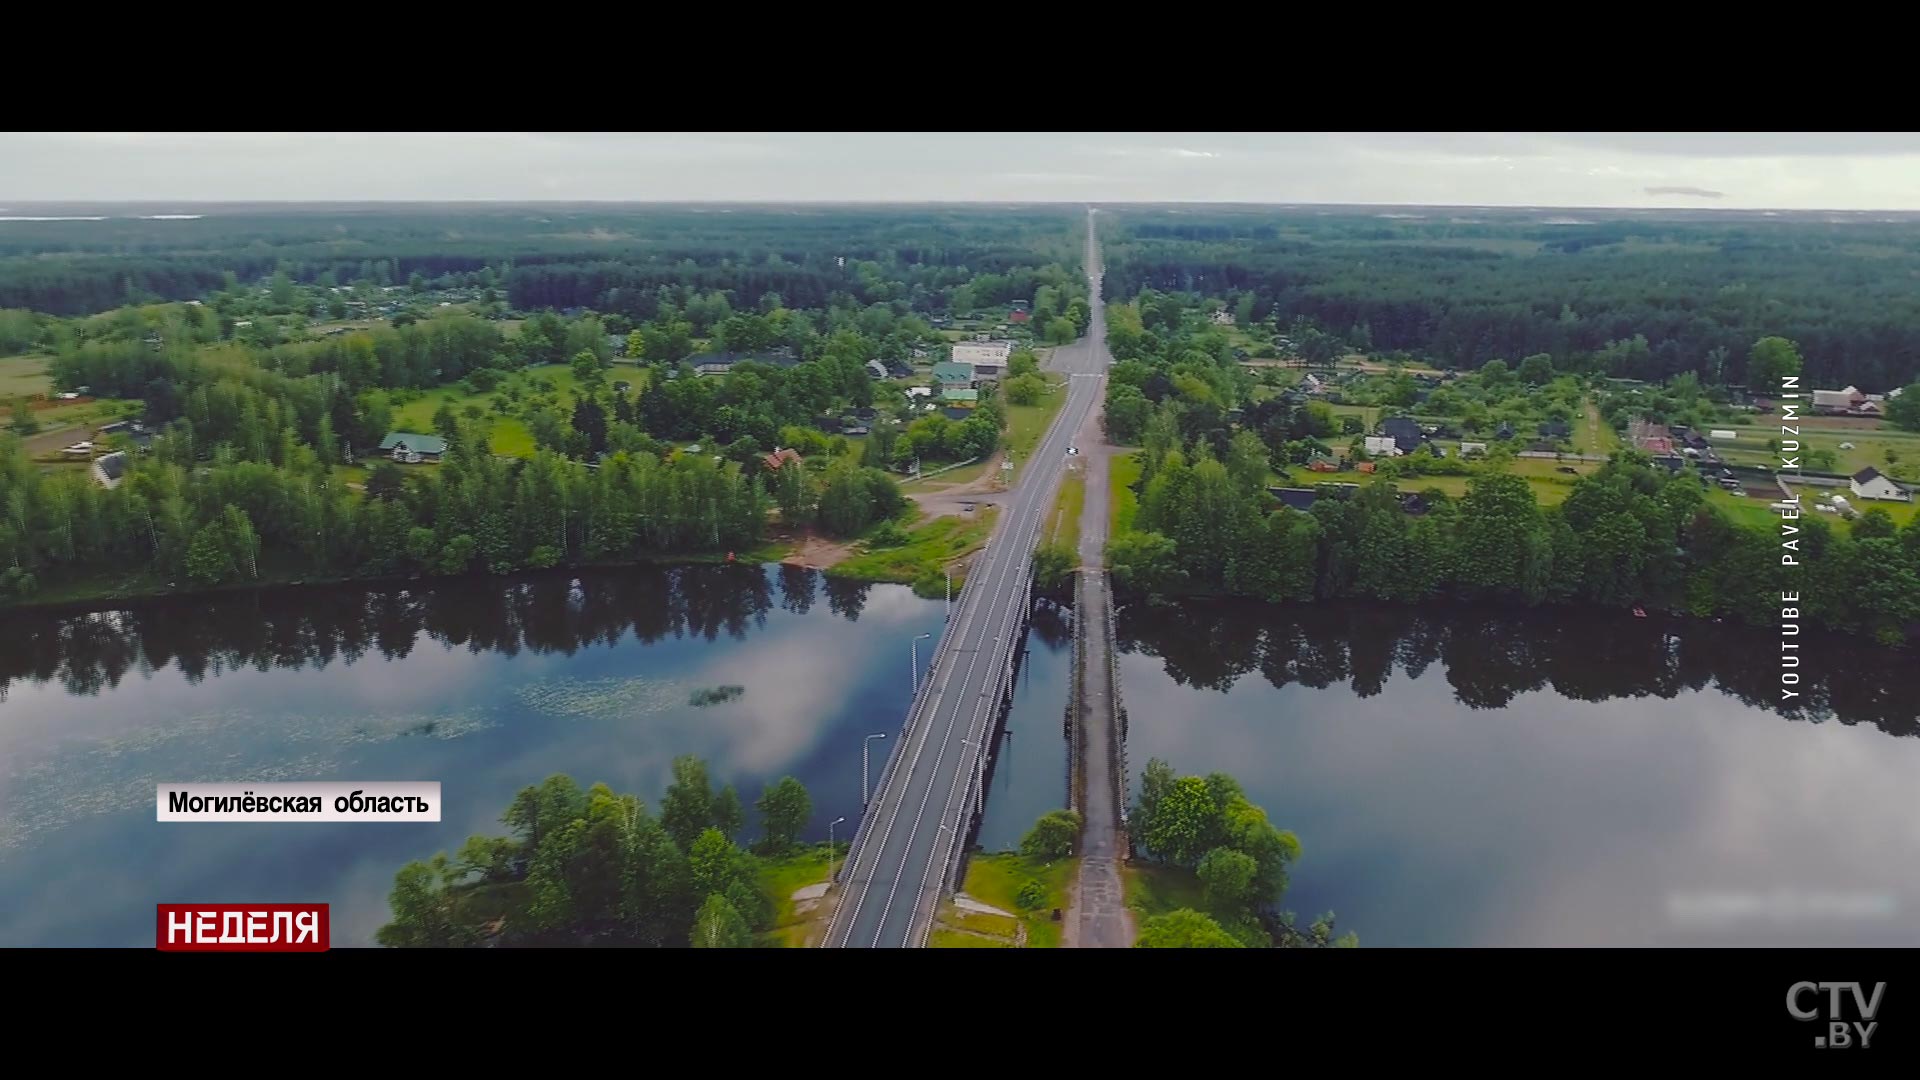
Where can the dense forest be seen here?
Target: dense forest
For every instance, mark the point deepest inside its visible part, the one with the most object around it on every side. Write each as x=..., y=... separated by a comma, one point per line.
x=612, y=258
x=1461, y=287
x=589, y=867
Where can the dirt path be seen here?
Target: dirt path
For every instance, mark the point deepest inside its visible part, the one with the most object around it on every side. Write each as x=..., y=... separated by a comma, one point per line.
x=1097, y=912
x=817, y=552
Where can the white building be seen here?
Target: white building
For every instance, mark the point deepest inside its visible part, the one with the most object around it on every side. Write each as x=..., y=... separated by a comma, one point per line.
x=1871, y=483
x=982, y=352
x=1726, y=436
x=1382, y=446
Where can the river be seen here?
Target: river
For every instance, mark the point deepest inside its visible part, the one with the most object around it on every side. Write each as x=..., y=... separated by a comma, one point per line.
x=1455, y=777
x=486, y=686
x=1468, y=777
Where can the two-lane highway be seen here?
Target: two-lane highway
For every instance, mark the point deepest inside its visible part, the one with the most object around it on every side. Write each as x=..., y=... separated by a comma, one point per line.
x=911, y=835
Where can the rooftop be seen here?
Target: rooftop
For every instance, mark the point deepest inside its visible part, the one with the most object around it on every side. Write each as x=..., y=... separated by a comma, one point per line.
x=419, y=444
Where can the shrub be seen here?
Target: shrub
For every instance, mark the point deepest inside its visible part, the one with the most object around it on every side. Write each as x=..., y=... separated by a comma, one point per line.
x=1031, y=895
x=1052, y=836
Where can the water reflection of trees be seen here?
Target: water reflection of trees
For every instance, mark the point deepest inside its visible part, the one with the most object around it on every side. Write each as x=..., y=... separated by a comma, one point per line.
x=1492, y=656
x=320, y=626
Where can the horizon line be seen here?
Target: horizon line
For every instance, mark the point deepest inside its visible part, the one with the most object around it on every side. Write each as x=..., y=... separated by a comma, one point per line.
x=7, y=204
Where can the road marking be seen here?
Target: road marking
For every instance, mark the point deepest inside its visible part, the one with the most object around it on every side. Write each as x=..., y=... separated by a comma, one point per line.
x=1004, y=568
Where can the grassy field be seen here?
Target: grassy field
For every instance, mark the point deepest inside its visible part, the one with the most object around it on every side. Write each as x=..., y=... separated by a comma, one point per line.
x=1592, y=434
x=942, y=938
x=1369, y=417
x=1064, y=527
x=508, y=435
x=1870, y=447
x=23, y=376
x=928, y=548
x=1550, y=486
x=996, y=880
x=1754, y=513
x=1759, y=513
x=960, y=477
x=1122, y=472
x=1027, y=424
x=779, y=878
x=1154, y=889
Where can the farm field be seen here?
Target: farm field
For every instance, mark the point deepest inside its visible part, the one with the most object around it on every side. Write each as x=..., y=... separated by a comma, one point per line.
x=23, y=376
x=1870, y=447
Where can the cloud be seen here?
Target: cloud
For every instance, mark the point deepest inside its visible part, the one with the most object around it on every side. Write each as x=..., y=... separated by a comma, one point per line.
x=1178, y=152
x=1682, y=189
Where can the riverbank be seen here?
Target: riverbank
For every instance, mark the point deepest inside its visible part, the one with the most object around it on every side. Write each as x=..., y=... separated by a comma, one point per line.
x=94, y=591
x=922, y=560
x=988, y=912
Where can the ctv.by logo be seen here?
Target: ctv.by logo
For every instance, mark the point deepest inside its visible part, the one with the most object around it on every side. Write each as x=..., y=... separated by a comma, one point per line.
x=1840, y=1033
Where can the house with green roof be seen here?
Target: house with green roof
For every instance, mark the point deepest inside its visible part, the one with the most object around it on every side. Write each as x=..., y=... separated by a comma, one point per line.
x=413, y=448
x=952, y=373
x=959, y=395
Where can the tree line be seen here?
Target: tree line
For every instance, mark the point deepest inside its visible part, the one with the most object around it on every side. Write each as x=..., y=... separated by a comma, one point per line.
x=1208, y=826
x=592, y=868
x=1462, y=293
x=1627, y=535
x=612, y=258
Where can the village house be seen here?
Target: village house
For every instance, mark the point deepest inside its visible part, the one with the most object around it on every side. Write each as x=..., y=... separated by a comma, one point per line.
x=1871, y=483
x=781, y=456
x=108, y=469
x=1404, y=432
x=1221, y=318
x=876, y=369
x=1382, y=445
x=953, y=373
x=959, y=395
x=719, y=363
x=1301, y=499
x=919, y=392
x=412, y=448
x=983, y=352
x=1837, y=401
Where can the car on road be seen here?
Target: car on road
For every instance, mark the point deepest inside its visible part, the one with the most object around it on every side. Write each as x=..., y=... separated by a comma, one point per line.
x=1072, y=450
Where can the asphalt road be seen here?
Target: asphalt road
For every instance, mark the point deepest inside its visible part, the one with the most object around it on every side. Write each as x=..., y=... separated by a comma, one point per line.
x=891, y=883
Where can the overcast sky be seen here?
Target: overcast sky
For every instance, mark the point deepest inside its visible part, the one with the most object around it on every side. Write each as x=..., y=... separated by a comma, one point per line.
x=1743, y=170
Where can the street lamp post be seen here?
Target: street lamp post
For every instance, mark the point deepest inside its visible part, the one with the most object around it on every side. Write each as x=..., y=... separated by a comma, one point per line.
x=979, y=775
x=914, y=655
x=832, y=874
x=864, y=743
